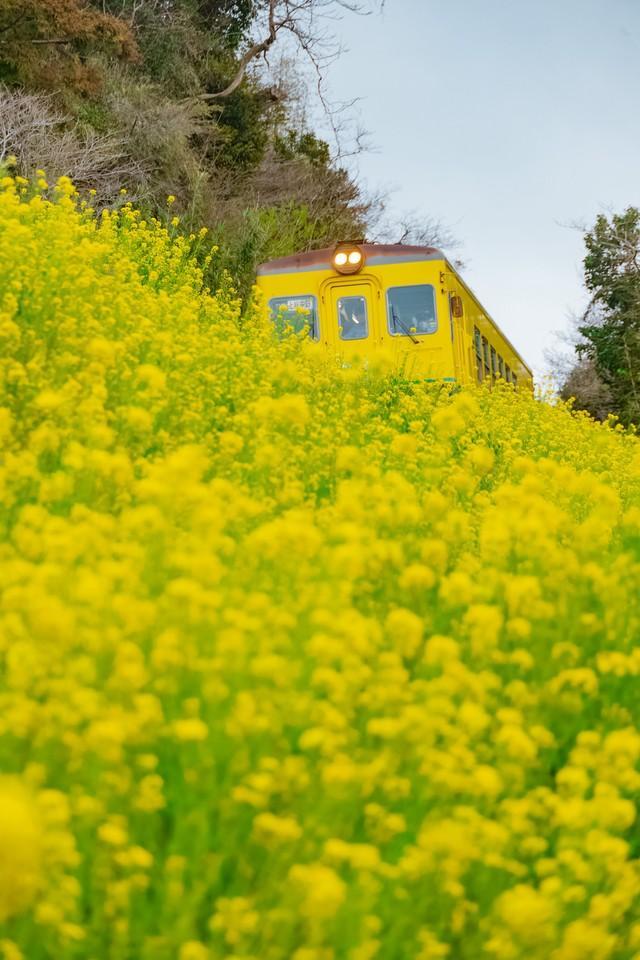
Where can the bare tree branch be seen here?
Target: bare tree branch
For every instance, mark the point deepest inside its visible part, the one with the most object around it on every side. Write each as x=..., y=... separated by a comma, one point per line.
x=38, y=136
x=38, y=40
x=304, y=21
x=251, y=54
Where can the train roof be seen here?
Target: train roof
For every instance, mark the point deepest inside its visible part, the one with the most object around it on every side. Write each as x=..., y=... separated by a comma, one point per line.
x=375, y=254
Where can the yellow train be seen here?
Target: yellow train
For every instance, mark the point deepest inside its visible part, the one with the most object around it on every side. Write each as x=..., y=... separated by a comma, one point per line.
x=406, y=303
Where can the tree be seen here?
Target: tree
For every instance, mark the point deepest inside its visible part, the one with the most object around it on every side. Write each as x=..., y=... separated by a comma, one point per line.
x=46, y=43
x=186, y=44
x=610, y=328
x=302, y=20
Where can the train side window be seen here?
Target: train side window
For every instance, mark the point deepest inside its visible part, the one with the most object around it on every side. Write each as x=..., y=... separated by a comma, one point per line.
x=485, y=350
x=501, y=366
x=514, y=380
x=477, y=338
x=411, y=310
x=494, y=362
x=296, y=314
x=507, y=372
x=353, y=322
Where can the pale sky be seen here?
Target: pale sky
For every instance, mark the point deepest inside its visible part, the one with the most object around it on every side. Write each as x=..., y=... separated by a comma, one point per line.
x=508, y=120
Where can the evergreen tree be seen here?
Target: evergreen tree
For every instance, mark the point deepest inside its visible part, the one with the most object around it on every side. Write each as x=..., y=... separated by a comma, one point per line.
x=611, y=326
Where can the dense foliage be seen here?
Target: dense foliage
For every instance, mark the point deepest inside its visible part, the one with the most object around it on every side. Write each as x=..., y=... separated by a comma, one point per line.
x=603, y=374
x=611, y=328
x=296, y=663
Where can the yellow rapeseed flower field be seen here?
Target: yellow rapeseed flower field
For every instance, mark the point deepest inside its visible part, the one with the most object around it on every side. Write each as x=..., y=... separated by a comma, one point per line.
x=297, y=663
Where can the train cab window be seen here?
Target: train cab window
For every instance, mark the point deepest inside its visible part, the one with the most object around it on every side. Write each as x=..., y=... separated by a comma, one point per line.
x=411, y=310
x=296, y=314
x=352, y=318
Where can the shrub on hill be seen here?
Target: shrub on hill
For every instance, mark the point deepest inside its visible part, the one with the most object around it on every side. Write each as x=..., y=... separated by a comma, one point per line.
x=169, y=98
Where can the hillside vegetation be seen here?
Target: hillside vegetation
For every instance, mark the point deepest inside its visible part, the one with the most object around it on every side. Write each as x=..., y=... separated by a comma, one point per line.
x=297, y=663
x=179, y=97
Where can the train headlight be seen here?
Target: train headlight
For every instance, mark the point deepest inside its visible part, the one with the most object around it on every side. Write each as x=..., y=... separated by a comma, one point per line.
x=348, y=258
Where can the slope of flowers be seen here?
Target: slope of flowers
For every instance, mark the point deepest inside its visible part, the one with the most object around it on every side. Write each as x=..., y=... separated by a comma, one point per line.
x=296, y=663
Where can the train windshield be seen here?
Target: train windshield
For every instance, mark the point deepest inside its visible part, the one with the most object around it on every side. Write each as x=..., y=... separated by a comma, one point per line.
x=411, y=310
x=295, y=314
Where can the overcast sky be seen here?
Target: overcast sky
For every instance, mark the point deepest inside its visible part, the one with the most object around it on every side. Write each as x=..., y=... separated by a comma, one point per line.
x=509, y=120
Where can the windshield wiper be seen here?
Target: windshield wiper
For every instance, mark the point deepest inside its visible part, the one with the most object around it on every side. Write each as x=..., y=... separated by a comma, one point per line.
x=398, y=321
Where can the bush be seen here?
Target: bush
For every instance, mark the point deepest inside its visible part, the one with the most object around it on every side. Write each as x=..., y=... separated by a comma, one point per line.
x=587, y=389
x=297, y=662
x=34, y=133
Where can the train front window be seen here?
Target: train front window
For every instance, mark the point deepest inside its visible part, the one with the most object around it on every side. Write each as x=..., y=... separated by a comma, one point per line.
x=411, y=311
x=295, y=314
x=352, y=318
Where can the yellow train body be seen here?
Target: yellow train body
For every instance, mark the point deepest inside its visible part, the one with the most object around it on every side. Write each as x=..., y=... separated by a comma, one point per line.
x=404, y=304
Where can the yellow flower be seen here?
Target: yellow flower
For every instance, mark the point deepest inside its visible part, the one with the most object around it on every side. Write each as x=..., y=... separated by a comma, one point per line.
x=481, y=460
x=405, y=630
x=191, y=729
x=10, y=950
x=430, y=947
x=447, y=422
x=194, y=950
x=322, y=890
x=528, y=915
x=583, y=940
x=113, y=833
x=269, y=828
x=21, y=848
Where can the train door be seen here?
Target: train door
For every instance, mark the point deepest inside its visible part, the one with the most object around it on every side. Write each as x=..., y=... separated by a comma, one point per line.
x=457, y=321
x=351, y=318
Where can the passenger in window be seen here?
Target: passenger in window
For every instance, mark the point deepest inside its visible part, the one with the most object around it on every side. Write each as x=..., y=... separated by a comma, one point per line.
x=352, y=318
